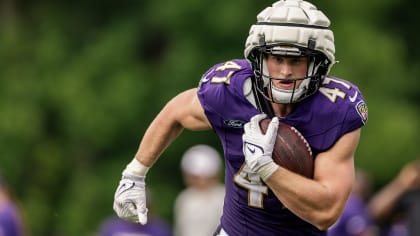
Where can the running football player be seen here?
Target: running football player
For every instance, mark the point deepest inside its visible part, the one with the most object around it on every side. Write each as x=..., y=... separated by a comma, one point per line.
x=285, y=75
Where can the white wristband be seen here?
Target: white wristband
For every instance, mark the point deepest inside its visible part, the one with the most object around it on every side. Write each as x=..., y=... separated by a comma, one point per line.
x=136, y=168
x=267, y=170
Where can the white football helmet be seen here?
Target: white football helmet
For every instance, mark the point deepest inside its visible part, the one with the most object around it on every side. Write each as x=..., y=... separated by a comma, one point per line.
x=290, y=28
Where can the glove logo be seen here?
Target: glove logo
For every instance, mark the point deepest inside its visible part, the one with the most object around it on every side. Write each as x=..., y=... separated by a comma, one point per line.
x=124, y=187
x=252, y=150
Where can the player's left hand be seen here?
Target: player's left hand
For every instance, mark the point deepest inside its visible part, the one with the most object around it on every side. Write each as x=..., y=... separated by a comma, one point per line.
x=130, y=199
x=258, y=147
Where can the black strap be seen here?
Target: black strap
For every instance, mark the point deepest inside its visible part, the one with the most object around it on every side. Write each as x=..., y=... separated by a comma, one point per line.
x=262, y=103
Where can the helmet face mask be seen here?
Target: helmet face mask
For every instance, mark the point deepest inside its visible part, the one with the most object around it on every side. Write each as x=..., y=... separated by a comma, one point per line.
x=316, y=67
x=290, y=28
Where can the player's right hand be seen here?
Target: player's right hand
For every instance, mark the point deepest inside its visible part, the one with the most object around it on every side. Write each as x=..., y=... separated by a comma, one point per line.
x=130, y=199
x=258, y=147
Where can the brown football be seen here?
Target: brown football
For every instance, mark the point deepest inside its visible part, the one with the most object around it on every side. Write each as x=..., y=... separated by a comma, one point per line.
x=291, y=150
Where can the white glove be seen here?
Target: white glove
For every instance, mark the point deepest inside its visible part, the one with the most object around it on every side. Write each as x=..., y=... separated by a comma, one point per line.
x=130, y=196
x=258, y=147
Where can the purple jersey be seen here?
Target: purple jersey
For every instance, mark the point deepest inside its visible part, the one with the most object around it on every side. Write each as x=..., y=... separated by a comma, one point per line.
x=355, y=219
x=250, y=207
x=115, y=226
x=10, y=221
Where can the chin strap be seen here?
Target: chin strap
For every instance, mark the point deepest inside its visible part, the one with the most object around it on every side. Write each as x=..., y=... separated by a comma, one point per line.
x=263, y=104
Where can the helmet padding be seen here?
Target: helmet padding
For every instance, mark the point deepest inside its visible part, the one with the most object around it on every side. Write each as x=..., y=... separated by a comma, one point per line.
x=291, y=28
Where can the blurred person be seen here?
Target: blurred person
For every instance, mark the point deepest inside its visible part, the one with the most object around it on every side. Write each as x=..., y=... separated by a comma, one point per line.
x=397, y=204
x=356, y=219
x=199, y=206
x=284, y=76
x=11, y=223
x=115, y=226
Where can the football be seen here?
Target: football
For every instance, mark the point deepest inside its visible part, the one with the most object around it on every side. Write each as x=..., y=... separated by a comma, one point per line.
x=291, y=150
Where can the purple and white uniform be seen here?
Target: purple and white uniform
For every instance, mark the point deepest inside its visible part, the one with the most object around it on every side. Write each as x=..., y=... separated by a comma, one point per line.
x=250, y=207
x=115, y=226
x=10, y=221
x=355, y=219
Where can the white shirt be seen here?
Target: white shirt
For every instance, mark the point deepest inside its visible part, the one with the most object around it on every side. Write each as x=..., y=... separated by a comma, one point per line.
x=197, y=213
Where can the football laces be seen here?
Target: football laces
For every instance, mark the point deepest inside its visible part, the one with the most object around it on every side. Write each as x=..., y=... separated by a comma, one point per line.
x=303, y=139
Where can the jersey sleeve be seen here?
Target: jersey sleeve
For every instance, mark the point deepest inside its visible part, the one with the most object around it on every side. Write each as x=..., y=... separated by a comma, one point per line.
x=221, y=92
x=357, y=113
x=336, y=109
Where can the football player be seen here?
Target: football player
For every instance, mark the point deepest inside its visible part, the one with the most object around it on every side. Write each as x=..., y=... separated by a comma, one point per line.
x=284, y=75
